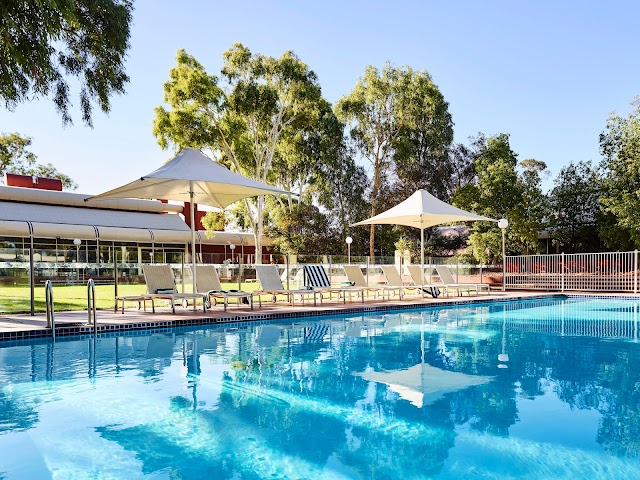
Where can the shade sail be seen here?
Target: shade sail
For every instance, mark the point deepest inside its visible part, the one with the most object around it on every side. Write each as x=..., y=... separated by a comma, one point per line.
x=422, y=210
x=423, y=384
x=213, y=184
x=193, y=177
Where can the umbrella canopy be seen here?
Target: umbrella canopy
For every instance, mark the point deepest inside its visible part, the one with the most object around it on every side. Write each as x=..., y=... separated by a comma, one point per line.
x=191, y=171
x=423, y=384
x=422, y=210
x=193, y=177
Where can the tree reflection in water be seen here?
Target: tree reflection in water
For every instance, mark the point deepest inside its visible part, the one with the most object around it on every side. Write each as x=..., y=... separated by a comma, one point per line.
x=290, y=393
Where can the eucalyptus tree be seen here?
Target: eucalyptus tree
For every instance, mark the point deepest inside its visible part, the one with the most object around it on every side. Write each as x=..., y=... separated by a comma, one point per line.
x=247, y=118
x=15, y=157
x=574, y=207
x=500, y=190
x=620, y=148
x=42, y=43
x=390, y=111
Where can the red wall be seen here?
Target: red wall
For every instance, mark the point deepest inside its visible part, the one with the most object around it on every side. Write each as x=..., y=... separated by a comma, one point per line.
x=26, y=181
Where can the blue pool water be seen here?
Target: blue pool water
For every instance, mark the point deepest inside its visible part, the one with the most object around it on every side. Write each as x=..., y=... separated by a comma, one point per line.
x=533, y=389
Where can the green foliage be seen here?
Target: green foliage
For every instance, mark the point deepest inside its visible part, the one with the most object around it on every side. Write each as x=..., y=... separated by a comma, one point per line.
x=255, y=117
x=44, y=42
x=405, y=244
x=395, y=112
x=214, y=222
x=575, y=209
x=500, y=191
x=620, y=147
x=336, y=181
x=301, y=230
x=15, y=158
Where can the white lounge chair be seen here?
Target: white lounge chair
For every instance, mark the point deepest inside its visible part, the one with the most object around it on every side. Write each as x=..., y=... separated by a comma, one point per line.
x=417, y=277
x=447, y=279
x=394, y=279
x=161, y=284
x=271, y=284
x=207, y=280
x=317, y=279
x=355, y=276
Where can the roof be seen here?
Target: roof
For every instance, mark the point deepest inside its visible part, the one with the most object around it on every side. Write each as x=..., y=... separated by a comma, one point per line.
x=17, y=219
x=88, y=223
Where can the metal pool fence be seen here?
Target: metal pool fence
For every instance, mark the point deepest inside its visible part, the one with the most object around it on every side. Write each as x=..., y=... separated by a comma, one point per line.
x=599, y=272
x=23, y=273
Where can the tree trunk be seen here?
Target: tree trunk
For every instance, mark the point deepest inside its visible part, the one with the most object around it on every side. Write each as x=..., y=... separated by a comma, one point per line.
x=257, y=233
x=374, y=201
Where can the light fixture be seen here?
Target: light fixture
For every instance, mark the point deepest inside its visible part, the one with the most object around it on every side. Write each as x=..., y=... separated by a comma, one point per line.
x=348, y=240
x=503, y=223
x=77, y=242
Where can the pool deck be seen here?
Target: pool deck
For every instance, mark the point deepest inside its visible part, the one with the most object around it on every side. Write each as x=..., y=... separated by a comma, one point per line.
x=25, y=326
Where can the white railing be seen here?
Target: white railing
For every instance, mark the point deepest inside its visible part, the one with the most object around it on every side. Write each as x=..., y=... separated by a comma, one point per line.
x=601, y=272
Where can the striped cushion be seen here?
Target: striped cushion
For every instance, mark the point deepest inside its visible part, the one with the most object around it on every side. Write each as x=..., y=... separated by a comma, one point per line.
x=433, y=290
x=316, y=276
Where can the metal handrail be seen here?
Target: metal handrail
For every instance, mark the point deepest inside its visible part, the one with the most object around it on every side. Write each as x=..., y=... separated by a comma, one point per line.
x=48, y=297
x=91, y=303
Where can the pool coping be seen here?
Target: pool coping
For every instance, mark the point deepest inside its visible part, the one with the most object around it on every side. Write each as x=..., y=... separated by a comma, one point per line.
x=236, y=320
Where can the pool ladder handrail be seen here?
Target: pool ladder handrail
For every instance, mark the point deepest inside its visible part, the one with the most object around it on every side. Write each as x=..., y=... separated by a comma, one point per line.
x=48, y=298
x=91, y=303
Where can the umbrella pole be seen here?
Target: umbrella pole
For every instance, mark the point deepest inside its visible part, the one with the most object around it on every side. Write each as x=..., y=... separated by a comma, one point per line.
x=193, y=241
x=422, y=254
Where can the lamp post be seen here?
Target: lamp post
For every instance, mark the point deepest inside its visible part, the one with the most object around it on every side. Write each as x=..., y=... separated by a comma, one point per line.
x=503, y=223
x=77, y=242
x=348, y=240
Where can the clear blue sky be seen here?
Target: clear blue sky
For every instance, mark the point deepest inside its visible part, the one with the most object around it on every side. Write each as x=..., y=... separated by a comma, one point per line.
x=546, y=72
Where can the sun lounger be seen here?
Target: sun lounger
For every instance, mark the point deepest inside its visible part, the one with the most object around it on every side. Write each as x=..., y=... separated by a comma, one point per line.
x=161, y=284
x=271, y=284
x=207, y=280
x=141, y=299
x=394, y=279
x=317, y=278
x=355, y=276
x=447, y=279
x=417, y=276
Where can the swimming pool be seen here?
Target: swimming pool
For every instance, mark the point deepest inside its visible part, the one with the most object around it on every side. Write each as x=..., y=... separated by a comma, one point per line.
x=534, y=389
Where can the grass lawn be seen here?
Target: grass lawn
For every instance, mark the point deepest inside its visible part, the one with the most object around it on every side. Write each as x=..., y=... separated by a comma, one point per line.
x=15, y=298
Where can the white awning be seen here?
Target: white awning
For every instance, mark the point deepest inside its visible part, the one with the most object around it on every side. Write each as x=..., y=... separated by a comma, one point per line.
x=172, y=236
x=10, y=228
x=120, y=234
x=50, y=221
x=56, y=230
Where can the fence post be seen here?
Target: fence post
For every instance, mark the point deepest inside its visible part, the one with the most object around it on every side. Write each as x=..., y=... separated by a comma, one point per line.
x=481, y=273
x=368, y=270
x=115, y=269
x=32, y=278
x=329, y=269
x=563, y=270
x=182, y=271
x=457, y=270
x=635, y=271
x=286, y=259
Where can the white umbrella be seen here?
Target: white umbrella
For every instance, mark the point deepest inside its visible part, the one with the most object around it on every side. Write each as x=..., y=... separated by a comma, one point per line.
x=193, y=177
x=422, y=210
x=423, y=384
